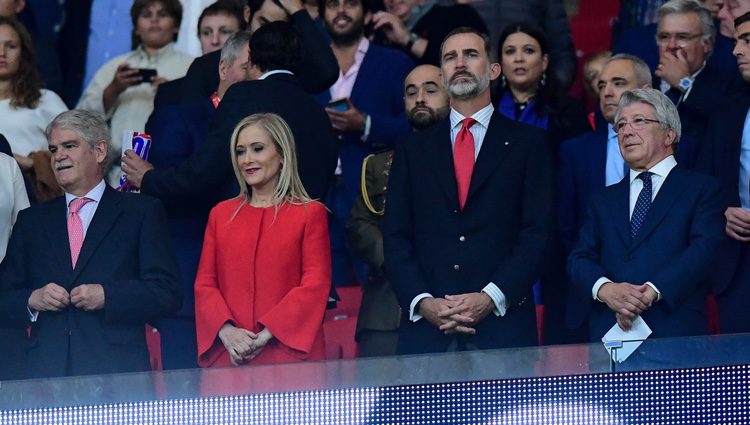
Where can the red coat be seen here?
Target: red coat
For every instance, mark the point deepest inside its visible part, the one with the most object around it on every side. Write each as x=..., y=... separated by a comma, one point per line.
x=259, y=272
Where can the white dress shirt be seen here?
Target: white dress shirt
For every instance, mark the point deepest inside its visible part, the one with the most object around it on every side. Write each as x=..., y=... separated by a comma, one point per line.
x=660, y=172
x=478, y=130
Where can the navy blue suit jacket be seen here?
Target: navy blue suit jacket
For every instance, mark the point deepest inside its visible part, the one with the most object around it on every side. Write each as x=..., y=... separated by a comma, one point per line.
x=378, y=92
x=126, y=250
x=675, y=249
x=177, y=132
x=582, y=174
x=500, y=236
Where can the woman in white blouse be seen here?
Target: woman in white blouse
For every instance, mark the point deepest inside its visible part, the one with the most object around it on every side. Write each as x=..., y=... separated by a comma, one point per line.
x=25, y=107
x=12, y=198
x=118, y=89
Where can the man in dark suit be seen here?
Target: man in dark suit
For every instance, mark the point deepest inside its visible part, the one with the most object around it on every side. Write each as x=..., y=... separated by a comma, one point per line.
x=317, y=72
x=87, y=292
x=588, y=163
x=463, y=262
x=685, y=37
x=726, y=156
x=649, y=243
x=426, y=102
x=368, y=114
x=275, y=51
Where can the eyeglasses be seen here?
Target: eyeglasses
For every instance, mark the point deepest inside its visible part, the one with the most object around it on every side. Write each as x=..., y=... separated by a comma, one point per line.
x=681, y=38
x=636, y=124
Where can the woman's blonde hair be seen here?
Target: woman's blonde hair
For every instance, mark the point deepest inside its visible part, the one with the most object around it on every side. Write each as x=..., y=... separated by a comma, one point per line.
x=289, y=187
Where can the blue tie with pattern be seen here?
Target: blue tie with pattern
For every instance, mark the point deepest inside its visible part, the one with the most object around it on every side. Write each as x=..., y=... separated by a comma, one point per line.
x=642, y=204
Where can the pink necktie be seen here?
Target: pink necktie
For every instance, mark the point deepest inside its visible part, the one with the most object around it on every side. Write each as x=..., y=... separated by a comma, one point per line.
x=463, y=159
x=75, y=227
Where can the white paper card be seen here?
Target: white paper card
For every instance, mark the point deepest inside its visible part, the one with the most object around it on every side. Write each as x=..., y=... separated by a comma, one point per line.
x=631, y=339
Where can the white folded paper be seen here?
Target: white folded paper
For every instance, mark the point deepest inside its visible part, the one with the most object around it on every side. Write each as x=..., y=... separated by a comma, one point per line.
x=631, y=339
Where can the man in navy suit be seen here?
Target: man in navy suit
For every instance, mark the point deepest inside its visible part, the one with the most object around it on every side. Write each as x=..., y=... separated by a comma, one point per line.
x=470, y=212
x=88, y=287
x=588, y=163
x=649, y=243
x=369, y=113
x=727, y=156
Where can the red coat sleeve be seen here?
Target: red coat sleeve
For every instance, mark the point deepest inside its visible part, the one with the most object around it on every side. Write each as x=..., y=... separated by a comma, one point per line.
x=296, y=320
x=211, y=310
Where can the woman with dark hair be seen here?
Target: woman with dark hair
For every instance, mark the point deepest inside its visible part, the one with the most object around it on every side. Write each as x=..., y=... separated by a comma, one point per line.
x=265, y=270
x=25, y=107
x=122, y=89
x=530, y=94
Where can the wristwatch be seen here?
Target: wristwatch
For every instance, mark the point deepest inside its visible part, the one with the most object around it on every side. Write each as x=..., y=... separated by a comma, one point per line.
x=685, y=84
x=409, y=44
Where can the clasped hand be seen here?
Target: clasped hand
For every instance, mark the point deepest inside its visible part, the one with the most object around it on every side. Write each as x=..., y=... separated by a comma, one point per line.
x=53, y=297
x=242, y=344
x=627, y=300
x=457, y=313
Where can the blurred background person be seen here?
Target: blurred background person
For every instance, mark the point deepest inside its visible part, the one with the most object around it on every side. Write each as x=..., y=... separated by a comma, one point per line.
x=12, y=200
x=419, y=27
x=529, y=93
x=25, y=107
x=217, y=22
x=265, y=270
x=592, y=67
x=118, y=89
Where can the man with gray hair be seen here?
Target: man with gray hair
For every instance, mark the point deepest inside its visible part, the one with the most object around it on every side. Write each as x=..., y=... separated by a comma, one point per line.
x=87, y=292
x=685, y=37
x=648, y=243
x=588, y=163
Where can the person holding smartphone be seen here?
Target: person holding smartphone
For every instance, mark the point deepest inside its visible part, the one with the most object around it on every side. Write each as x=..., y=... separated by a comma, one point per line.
x=123, y=89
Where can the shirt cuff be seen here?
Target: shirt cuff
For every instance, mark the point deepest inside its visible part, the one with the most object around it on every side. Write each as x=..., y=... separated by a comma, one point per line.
x=498, y=298
x=413, y=314
x=368, y=125
x=595, y=290
x=33, y=315
x=658, y=293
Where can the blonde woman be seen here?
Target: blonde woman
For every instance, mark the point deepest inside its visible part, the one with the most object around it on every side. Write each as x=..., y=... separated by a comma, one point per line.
x=265, y=269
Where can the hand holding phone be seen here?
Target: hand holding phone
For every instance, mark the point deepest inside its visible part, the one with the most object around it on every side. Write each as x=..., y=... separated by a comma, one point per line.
x=339, y=104
x=147, y=74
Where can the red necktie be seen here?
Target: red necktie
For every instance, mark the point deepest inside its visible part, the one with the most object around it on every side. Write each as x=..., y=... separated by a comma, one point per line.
x=463, y=159
x=75, y=227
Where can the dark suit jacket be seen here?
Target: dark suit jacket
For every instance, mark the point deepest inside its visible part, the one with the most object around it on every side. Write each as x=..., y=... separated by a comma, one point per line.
x=126, y=250
x=172, y=93
x=379, y=92
x=720, y=157
x=675, y=249
x=710, y=90
x=208, y=173
x=500, y=236
x=177, y=132
x=318, y=69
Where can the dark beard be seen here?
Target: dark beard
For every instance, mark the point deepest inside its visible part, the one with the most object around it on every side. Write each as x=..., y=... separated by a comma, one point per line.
x=350, y=37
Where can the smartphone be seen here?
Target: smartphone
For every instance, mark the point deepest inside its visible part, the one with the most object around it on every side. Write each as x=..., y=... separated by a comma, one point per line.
x=339, y=105
x=147, y=74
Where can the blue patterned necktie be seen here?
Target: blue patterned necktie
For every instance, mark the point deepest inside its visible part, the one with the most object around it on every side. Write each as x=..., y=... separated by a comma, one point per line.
x=642, y=204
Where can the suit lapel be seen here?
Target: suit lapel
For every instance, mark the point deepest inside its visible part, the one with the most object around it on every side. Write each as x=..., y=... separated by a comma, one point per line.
x=497, y=143
x=56, y=228
x=104, y=219
x=621, y=212
x=363, y=75
x=670, y=190
x=440, y=154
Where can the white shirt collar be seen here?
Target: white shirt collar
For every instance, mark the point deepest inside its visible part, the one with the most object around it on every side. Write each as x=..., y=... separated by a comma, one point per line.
x=661, y=169
x=482, y=116
x=275, y=71
x=94, y=194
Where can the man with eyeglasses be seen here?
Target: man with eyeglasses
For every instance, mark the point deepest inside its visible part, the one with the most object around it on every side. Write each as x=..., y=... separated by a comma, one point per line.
x=685, y=37
x=649, y=243
x=588, y=163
